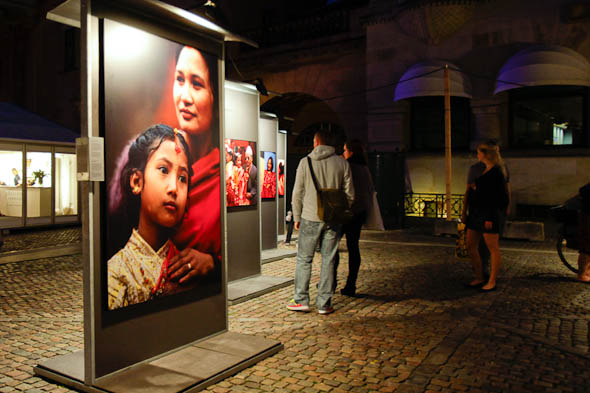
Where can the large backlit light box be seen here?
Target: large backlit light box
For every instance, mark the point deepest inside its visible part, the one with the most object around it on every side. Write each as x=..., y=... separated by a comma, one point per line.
x=152, y=75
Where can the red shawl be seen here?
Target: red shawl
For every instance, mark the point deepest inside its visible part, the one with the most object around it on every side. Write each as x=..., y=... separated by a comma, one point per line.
x=201, y=227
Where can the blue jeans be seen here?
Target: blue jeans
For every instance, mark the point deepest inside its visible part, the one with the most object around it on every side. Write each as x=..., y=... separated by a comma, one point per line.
x=310, y=233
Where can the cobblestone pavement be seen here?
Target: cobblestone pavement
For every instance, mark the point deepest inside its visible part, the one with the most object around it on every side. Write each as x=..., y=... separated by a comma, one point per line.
x=29, y=239
x=413, y=327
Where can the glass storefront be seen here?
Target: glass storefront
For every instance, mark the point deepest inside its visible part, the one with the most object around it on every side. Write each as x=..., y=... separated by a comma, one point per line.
x=66, y=186
x=37, y=185
x=11, y=190
x=38, y=169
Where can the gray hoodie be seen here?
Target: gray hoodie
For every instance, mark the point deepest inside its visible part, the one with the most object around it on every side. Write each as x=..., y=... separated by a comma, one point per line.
x=331, y=171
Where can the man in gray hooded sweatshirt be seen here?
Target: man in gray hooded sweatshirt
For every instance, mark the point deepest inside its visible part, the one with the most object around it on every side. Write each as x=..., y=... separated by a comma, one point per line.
x=331, y=171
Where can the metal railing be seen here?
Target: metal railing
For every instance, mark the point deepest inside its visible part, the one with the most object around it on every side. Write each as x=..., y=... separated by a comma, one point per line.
x=431, y=205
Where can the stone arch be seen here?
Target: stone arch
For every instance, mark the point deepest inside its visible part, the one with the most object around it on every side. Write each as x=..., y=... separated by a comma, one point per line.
x=301, y=115
x=330, y=79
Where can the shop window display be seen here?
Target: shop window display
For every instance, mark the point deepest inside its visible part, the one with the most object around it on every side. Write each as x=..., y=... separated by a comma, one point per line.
x=38, y=181
x=11, y=178
x=66, y=187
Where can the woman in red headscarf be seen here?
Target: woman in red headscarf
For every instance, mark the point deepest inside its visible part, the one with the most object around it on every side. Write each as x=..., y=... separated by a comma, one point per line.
x=199, y=237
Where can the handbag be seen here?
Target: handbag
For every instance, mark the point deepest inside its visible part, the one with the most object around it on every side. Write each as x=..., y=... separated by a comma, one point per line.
x=374, y=220
x=333, y=205
x=461, y=251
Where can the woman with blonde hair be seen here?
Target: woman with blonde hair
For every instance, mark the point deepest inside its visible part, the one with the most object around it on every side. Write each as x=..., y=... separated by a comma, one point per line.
x=487, y=200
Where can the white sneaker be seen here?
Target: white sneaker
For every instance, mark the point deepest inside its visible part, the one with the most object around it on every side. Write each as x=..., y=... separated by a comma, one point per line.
x=297, y=306
x=324, y=311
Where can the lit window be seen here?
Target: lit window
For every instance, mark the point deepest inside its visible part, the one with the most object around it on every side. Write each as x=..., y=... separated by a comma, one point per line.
x=11, y=179
x=547, y=116
x=66, y=187
x=38, y=184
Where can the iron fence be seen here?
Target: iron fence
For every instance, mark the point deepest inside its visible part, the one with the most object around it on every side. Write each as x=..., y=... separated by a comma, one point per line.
x=431, y=205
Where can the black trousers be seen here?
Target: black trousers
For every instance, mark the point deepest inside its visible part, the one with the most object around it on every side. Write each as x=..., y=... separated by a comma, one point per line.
x=289, y=231
x=352, y=231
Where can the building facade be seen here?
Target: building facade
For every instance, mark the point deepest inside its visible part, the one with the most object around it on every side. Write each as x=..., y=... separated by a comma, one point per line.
x=520, y=75
x=372, y=69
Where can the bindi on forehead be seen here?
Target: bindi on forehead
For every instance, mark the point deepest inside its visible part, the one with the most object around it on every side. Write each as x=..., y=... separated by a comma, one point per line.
x=177, y=148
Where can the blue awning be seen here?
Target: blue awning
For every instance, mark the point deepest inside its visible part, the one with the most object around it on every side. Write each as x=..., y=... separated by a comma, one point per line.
x=543, y=65
x=427, y=79
x=17, y=123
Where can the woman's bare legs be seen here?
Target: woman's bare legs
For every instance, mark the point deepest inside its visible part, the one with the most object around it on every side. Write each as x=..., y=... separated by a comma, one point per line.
x=492, y=242
x=583, y=267
x=473, y=238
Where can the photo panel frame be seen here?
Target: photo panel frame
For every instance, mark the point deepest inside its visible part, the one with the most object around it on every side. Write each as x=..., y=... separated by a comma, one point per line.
x=153, y=120
x=241, y=174
x=268, y=164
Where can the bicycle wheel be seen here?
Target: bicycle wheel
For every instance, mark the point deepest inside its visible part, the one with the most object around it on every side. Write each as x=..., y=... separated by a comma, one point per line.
x=561, y=244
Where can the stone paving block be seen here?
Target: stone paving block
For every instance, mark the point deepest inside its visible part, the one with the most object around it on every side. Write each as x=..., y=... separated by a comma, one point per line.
x=412, y=328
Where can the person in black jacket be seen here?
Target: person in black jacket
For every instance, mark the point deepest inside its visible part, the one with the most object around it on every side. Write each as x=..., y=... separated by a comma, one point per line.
x=488, y=199
x=584, y=235
x=475, y=171
x=354, y=153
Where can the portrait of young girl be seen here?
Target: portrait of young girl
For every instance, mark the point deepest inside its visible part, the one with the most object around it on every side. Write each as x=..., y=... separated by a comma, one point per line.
x=155, y=184
x=181, y=91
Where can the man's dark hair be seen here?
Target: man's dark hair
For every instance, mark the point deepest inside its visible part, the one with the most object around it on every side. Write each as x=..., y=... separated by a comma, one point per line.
x=323, y=136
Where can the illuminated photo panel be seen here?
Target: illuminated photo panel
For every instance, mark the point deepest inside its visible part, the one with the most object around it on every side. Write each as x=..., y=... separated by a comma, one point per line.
x=281, y=178
x=241, y=174
x=161, y=128
x=268, y=161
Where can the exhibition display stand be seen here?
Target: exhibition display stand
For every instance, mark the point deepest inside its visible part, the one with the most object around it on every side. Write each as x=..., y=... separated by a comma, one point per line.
x=241, y=147
x=141, y=62
x=282, y=179
x=270, y=136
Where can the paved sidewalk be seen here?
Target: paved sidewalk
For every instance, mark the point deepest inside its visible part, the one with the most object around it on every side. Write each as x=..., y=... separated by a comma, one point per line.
x=414, y=327
x=37, y=238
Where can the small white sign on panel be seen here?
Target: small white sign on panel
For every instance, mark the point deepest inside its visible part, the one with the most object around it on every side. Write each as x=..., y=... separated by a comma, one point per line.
x=90, y=158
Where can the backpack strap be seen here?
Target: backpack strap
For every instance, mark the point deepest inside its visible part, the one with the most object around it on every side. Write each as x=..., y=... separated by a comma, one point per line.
x=315, y=181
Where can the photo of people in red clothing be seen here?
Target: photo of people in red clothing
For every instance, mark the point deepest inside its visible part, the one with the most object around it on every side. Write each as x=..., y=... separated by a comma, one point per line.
x=241, y=174
x=149, y=80
x=281, y=176
x=268, y=161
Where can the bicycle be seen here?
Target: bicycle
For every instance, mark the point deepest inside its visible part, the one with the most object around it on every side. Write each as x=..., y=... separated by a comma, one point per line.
x=567, y=233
